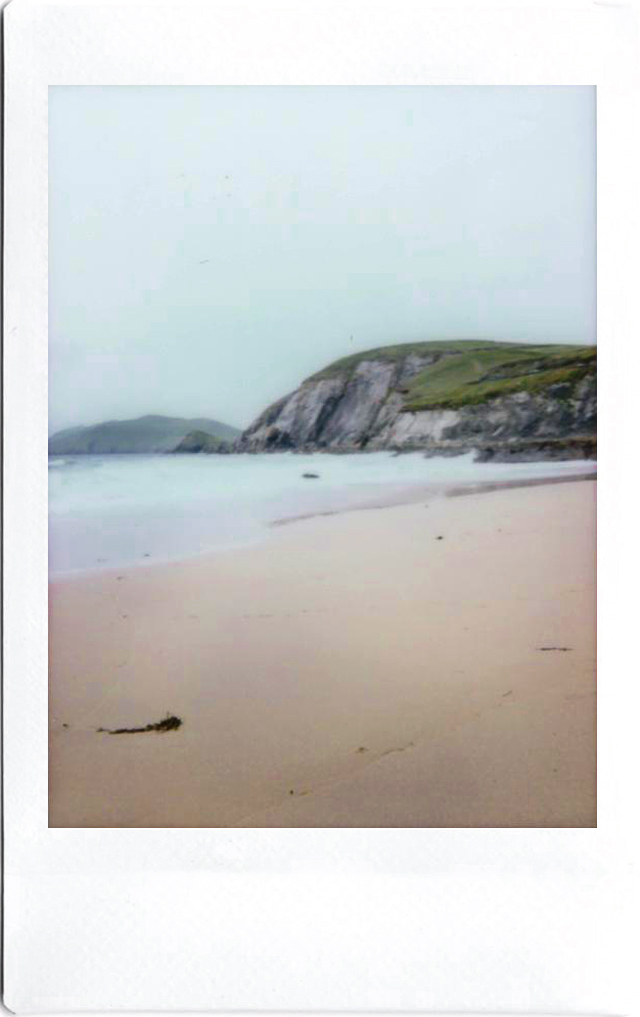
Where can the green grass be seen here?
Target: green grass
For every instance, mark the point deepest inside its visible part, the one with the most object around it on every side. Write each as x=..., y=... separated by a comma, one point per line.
x=391, y=353
x=477, y=376
x=469, y=372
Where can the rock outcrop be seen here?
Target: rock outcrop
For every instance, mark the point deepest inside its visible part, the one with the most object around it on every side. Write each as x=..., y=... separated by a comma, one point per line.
x=505, y=400
x=200, y=441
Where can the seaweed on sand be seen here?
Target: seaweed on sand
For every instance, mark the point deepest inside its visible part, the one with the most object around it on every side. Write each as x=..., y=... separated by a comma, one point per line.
x=170, y=723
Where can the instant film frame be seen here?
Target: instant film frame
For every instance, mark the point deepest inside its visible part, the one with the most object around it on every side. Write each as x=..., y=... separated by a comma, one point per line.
x=394, y=920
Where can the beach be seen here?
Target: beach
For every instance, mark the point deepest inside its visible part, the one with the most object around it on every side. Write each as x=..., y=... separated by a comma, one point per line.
x=429, y=664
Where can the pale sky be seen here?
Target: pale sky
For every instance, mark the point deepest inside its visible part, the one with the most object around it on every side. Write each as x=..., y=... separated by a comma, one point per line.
x=212, y=247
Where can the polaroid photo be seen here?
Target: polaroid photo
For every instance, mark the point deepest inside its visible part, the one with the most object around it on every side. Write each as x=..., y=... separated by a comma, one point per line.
x=300, y=404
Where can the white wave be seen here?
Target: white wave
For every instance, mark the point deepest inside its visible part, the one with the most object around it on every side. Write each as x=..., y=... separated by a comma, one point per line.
x=112, y=510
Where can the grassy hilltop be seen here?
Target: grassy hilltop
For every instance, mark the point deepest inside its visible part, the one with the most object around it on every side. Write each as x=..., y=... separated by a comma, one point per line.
x=468, y=372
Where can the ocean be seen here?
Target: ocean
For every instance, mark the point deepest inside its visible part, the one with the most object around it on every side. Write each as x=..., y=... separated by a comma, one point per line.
x=113, y=511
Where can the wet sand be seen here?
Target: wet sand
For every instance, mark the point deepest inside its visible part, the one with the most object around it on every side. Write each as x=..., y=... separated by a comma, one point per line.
x=421, y=665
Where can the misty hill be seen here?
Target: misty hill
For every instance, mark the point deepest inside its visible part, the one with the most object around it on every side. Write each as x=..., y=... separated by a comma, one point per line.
x=146, y=434
x=502, y=399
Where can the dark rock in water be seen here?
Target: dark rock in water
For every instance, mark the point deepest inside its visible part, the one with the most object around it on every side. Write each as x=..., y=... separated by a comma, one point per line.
x=311, y=476
x=524, y=450
x=505, y=401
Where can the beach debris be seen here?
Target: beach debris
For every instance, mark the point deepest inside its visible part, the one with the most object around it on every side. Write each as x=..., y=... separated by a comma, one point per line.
x=170, y=723
x=311, y=476
x=146, y=555
x=65, y=725
x=398, y=748
x=439, y=538
x=558, y=649
x=291, y=791
x=505, y=694
x=362, y=748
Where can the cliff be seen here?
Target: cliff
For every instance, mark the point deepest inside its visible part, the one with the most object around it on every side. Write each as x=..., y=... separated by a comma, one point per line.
x=146, y=434
x=505, y=400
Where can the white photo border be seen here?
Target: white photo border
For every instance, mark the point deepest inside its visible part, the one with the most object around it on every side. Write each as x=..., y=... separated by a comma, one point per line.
x=314, y=920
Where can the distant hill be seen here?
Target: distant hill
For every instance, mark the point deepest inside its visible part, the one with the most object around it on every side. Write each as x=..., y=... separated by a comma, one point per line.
x=504, y=400
x=146, y=434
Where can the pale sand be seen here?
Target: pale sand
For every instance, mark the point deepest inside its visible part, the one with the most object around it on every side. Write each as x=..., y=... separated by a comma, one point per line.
x=353, y=670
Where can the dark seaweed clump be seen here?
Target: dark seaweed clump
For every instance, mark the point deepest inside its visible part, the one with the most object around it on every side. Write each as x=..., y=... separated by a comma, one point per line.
x=170, y=723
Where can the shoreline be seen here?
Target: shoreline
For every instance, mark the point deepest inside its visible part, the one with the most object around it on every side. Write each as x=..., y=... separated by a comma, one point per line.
x=441, y=491
x=410, y=495
x=397, y=668
x=505, y=485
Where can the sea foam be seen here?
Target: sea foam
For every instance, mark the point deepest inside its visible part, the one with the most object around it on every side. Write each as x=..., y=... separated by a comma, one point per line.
x=112, y=511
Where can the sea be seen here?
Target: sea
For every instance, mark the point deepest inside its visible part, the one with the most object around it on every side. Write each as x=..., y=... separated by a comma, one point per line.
x=113, y=511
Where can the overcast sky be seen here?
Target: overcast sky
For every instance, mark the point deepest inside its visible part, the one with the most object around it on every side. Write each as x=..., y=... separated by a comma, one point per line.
x=211, y=247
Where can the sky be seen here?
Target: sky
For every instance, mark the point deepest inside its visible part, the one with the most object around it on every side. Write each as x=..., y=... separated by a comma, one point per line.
x=212, y=247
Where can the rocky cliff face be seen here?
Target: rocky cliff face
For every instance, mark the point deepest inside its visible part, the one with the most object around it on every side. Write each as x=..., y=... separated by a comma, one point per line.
x=496, y=398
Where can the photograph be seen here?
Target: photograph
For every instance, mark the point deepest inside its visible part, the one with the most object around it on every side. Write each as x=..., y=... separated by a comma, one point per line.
x=322, y=456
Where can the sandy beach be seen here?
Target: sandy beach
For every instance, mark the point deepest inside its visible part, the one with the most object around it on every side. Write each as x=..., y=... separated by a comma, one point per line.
x=429, y=664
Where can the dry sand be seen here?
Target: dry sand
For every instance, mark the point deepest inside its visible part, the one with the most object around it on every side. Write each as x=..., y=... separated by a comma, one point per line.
x=353, y=670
